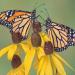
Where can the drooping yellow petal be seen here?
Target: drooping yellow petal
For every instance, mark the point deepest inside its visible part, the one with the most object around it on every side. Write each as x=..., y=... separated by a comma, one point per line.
x=43, y=67
x=40, y=52
x=28, y=60
x=12, y=72
x=61, y=59
x=40, y=65
x=58, y=65
x=25, y=47
x=48, y=69
x=4, y=50
x=36, y=62
x=42, y=39
x=17, y=71
x=12, y=51
x=53, y=67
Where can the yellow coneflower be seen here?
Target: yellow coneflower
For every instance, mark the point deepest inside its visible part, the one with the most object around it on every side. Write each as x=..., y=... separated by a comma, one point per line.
x=17, y=66
x=39, y=45
x=12, y=49
x=48, y=61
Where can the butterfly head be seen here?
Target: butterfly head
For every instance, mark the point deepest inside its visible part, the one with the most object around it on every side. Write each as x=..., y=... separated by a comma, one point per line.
x=33, y=16
x=48, y=20
x=48, y=23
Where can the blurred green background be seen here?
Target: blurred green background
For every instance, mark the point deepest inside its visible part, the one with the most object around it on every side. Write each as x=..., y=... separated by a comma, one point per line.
x=61, y=11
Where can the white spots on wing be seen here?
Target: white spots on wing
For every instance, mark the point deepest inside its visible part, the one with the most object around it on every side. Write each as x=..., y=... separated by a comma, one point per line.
x=74, y=35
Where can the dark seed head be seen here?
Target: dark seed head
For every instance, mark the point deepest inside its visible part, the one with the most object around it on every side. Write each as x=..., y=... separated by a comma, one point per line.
x=16, y=37
x=16, y=61
x=36, y=26
x=48, y=48
x=36, y=40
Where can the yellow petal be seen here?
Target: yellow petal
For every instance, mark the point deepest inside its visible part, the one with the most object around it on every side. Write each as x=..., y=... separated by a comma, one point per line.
x=42, y=71
x=4, y=50
x=25, y=47
x=42, y=43
x=28, y=60
x=36, y=63
x=12, y=51
x=61, y=59
x=48, y=69
x=16, y=72
x=40, y=52
x=45, y=37
x=40, y=65
x=10, y=72
x=58, y=65
x=53, y=67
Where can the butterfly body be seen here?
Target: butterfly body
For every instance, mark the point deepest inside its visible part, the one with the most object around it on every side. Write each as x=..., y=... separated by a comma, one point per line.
x=61, y=36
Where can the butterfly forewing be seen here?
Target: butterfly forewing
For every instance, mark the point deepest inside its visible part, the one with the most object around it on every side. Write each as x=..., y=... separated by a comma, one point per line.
x=61, y=36
x=20, y=21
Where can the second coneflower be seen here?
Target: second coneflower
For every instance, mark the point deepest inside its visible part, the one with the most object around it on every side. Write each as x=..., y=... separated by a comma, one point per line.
x=48, y=62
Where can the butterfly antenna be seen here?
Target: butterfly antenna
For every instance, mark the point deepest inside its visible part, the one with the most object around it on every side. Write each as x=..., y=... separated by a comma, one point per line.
x=46, y=11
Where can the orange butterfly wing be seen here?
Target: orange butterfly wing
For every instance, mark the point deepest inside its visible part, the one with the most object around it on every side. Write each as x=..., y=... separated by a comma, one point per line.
x=20, y=21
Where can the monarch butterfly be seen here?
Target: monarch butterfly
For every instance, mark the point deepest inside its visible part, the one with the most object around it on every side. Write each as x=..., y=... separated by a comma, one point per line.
x=18, y=21
x=61, y=36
